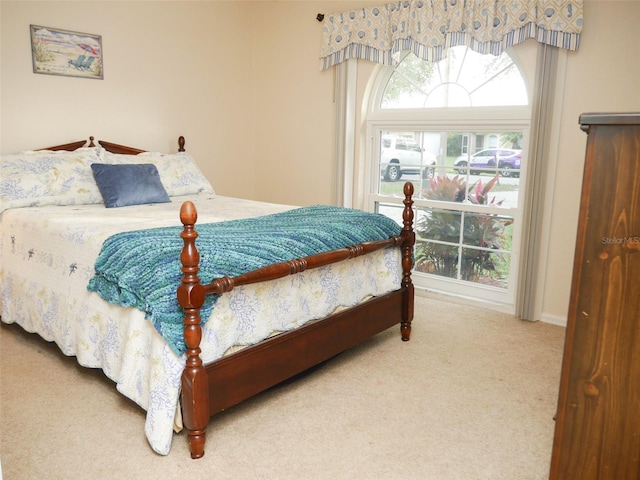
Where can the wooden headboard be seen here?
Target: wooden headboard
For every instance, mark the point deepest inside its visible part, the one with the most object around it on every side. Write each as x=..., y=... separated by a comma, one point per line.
x=108, y=146
x=116, y=148
x=71, y=146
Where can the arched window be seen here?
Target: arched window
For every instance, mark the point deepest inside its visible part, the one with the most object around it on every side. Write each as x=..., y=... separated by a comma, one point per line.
x=463, y=79
x=458, y=129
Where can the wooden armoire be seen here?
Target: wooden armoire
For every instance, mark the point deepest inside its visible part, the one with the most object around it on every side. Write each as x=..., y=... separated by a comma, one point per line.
x=597, y=432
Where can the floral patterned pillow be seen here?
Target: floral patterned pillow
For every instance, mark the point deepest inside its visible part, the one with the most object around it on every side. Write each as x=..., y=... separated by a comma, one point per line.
x=178, y=171
x=44, y=177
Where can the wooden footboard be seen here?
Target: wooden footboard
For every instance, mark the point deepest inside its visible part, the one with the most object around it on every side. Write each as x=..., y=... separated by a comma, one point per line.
x=209, y=389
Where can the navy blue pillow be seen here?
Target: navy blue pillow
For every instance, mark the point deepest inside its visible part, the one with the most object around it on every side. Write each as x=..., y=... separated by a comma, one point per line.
x=129, y=184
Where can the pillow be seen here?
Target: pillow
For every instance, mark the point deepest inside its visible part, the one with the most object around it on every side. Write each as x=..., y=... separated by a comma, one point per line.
x=178, y=171
x=133, y=184
x=45, y=177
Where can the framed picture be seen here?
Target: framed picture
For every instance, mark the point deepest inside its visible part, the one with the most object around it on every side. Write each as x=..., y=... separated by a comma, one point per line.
x=62, y=52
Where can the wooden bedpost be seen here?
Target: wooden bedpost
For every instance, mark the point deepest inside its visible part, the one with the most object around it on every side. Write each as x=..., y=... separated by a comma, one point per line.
x=407, y=261
x=195, y=388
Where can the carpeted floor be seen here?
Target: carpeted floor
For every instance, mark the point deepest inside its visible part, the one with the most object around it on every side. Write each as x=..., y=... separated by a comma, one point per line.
x=470, y=397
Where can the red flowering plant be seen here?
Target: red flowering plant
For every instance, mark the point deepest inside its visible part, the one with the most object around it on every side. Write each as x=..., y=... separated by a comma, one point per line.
x=452, y=241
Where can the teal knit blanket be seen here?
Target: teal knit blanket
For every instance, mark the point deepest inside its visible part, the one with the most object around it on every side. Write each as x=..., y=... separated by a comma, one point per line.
x=142, y=268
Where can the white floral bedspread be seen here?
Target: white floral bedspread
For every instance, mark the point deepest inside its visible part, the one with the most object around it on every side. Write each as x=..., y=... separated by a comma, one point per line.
x=46, y=260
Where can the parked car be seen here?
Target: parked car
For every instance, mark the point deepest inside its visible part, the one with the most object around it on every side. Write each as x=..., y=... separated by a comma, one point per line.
x=506, y=159
x=401, y=156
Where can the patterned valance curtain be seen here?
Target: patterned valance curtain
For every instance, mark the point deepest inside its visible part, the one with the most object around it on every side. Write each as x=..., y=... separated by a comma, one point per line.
x=429, y=27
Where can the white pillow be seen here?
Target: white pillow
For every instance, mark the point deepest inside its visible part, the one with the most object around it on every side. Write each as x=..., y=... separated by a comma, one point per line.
x=46, y=177
x=178, y=171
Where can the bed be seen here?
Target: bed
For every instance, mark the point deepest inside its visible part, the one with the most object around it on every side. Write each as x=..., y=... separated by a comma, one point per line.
x=239, y=333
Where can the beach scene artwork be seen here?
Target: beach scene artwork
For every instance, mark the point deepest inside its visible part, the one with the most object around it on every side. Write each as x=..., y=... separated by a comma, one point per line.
x=67, y=53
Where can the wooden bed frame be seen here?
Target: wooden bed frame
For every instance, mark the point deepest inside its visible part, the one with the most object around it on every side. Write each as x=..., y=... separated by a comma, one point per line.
x=208, y=389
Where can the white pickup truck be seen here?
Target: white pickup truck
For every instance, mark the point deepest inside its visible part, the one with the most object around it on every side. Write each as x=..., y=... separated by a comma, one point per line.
x=400, y=156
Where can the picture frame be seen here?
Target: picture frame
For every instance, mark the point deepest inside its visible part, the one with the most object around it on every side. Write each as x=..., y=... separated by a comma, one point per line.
x=64, y=52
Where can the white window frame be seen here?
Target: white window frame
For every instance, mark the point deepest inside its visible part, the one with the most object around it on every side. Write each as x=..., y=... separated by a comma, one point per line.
x=514, y=120
x=462, y=119
x=546, y=92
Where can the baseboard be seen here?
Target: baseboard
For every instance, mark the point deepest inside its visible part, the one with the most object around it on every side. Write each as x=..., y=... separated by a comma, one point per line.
x=554, y=319
x=545, y=318
x=461, y=300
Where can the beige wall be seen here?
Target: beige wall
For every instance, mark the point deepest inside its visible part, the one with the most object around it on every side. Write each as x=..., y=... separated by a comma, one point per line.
x=295, y=108
x=170, y=69
x=241, y=81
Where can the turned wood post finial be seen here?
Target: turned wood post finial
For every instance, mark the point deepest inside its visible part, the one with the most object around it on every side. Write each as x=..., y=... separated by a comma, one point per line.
x=409, y=237
x=190, y=292
x=188, y=214
x=181, y=143
x=91, y=144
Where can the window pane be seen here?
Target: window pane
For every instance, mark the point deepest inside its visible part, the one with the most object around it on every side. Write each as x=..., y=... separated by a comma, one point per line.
x=452, y=166
x=486, y=268
x=406, y=154
x=463, y=79
x=464, y=246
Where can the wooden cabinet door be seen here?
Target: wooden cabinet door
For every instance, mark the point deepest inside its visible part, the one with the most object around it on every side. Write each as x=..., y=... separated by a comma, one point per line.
x=597, y=432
